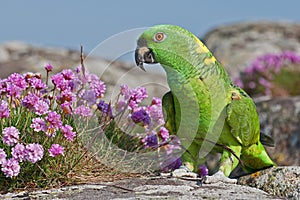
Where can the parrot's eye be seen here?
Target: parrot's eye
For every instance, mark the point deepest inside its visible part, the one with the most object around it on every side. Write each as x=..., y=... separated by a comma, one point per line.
x=159, y=37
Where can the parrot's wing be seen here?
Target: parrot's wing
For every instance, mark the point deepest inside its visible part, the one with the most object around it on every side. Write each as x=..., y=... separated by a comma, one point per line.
x=242, y=118
x=169, y=112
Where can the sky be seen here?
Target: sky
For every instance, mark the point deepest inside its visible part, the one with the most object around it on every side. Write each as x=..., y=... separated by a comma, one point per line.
x=62, y=23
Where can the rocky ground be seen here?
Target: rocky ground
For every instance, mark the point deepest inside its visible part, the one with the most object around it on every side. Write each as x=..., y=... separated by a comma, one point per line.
x=147, y=188
x=235, y=46
x=273, y=183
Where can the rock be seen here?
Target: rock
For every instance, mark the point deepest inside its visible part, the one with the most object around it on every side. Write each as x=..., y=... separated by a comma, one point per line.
x=280, y=119
x=147, y=188
x=22, y=57
x=4, y=55
x=279, y=181
x=235, y=46
x=17, y=46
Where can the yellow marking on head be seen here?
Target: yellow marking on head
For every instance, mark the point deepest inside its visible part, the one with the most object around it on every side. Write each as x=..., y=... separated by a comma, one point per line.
x=203, y=49
x=210, y=60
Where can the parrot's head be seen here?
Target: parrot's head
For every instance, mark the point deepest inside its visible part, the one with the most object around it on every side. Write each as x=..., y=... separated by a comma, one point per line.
x=166, y=44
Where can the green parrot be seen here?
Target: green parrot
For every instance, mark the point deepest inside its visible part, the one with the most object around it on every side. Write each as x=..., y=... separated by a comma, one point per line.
x=204, y=108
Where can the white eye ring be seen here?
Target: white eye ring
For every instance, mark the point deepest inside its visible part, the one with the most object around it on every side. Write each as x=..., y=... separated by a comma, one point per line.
x=159, y=37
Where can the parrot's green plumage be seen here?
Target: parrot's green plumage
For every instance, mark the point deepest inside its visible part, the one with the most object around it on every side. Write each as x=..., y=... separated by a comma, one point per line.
x=204, y=108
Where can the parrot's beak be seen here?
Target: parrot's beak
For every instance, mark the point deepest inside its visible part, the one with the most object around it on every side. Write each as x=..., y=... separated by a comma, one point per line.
x=144, y=55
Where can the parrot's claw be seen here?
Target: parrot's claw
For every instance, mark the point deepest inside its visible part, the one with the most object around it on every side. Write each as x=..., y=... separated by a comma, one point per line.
x=219, y=177
x=183, y=171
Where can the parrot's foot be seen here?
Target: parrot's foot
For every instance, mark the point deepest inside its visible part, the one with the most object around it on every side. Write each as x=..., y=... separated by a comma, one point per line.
x=183, y=171
x=219, y=177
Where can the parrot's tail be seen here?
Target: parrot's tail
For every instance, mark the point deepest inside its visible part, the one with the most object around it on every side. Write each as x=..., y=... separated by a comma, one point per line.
x=256, y=158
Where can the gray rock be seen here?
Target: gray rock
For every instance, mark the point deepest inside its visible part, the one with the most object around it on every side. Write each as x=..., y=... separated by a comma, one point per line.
x=147, y=188
x=17, y=46
x=236, y=45
x=280, y=119
x=4, y=55
x=279, y=181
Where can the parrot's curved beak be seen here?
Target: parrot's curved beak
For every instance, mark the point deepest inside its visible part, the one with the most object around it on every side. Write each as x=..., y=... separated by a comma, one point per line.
x=144, y=55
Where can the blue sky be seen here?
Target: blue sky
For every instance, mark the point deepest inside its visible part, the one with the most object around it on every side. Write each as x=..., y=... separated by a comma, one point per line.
x=69, y=24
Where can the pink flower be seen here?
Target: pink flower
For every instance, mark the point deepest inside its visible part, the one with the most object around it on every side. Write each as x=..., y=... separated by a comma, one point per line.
x=48, y=67
x=4, y=110
x=37, y=83
x=138, y=94
x=17, y=152
x=156, y=114
x=156, y=101
x=63, y=81
x=66, y=107
x=98, y=87
x=30, y=100
x=10, y=135
x=135, y=96
x=12, y=90
x=66, y=96
x=58, y=80
x=38, y=124
x=126, y=91
x=18, y=80
x=163, y=133
x=68, y=132
x=10, y=168
x=2, y=156
x=41, y=107
x=68, y=74
x=54, y=120
x=15, y=84
x=83, y=111
x=56, y=150
x=34, y=152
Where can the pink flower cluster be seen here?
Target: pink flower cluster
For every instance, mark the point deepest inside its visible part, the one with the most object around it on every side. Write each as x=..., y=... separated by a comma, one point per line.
x=151, y=118
x=32, y=152
x=73, y=94
x=260, y=73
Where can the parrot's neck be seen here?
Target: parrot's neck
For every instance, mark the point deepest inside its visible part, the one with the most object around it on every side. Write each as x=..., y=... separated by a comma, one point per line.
x=200, y=66
x=191, y=61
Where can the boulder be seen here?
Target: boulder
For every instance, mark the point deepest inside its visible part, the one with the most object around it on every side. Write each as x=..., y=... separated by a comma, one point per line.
x=146, y=188
x=280, y=119
x=279, y=181
x=236, y=45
